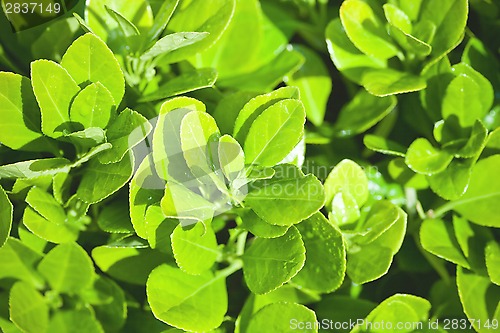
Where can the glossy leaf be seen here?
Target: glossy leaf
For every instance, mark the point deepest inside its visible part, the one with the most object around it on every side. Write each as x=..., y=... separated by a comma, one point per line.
x=190, y=302
x=93, y=106
x=260, y=228
x=423, y=158
x=350, y=179
x=478, y=204
x=256, y=106
x=128, y=28
x=438, y=238
x=283, y=317
x=20, y=113
x=462, y=100
x=266, y=267
x=286, y=202
x=362, y=112
x=479, y=298
x=383, y=145
x=385, y=82
x=275, y=133
x=67, y=268
x=54, y=89
x=366, y=30
x=195, y=250
x=346, y=57
x=90, y=59
x=397, y=309
x=126, y=132
x=102, y=180
x=173, y=42
x=324, y=269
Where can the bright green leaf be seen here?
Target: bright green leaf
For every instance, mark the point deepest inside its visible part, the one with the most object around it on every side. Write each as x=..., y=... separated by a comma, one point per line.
x=195, y=250
x=54, y=90
x=90, y=59
x=191, y=302
x=6, y=214
x=423, y=158
x=266, y=266
x=93, y=106
x=325, y=265
x=67, y=268
x=283, y=317
x=28, y=308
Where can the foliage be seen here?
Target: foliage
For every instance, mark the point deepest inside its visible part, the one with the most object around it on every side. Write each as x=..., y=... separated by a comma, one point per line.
x=251, y=166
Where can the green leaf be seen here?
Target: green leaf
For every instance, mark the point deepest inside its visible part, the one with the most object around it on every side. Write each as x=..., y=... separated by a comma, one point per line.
x=325, y=265
x=266, y=266
x=340, y=308
x=362, y=112
x=200, y=16
x=28, y=309
x=449, y=17
x=397, y=309
x=173, y=42
x=195, y=250
x=114, y=219
x=385, y=82
x=162, y=18
x=89, y=138
x=90, y=59
x=189, y=302
x=54, y=90
x=366, y=30
x=128, y=264
x=184, y=83
x=64, y=321
x=275, y=133
x=145, y=190
x=35, y=168
x=268, y=76
x=438, y=238
x=452, y=183
x=462, y=99
x=159, y=229
x=230, y=157
x=186, y=205
x=113, y=312
x=260, y=228
x=383, y=145
x=283, y=317
x=102, y=180
x=17, y=261
x=256, y=106
x=486, y=92
x=479, y=203
x=346, y=57
x=19, y=112
x=370, y=261
x=493, y=262
x=126, y=132
x=67, y=268
x=128, y=28
x=197, y=129
x=397, y=18
x=47, y=219
x=314, y=84
x=288, y=201
x=423, y=158
x=348, y=178
x=103, y=25
x=479, y=298
x=6, y=214
x=167, y=150
x=93, y=106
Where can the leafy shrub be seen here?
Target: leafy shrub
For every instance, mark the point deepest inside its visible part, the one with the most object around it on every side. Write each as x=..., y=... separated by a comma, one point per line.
x=171, y=166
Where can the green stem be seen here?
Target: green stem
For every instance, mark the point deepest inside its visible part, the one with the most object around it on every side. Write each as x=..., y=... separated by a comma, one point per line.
x=235, y=266
x=444, y=209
